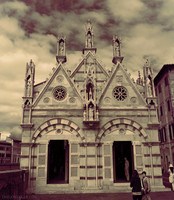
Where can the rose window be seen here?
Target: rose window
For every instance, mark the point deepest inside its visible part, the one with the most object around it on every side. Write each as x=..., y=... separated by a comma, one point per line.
x=120, y=93
x=59, y=93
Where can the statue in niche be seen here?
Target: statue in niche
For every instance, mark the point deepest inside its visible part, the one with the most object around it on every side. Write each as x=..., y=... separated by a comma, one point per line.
x=149, y=86
x=149, y=82
x=61, y=48
x=117, y=48
x=90, y=94
x=89, y=40
x=28, y=85
x=90, y=89
x=91, y=112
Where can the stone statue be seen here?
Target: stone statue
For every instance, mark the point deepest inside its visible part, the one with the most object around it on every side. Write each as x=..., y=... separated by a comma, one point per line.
x=91, y=113
x=61, y=48
x=89, y=40
x=117, y=51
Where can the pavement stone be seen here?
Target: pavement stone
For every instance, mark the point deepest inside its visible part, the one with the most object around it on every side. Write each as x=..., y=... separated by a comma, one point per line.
x=96, y=196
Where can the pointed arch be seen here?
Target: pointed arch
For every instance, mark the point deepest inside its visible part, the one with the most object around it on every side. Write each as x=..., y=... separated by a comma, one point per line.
x=57, y=123
x=115, y=123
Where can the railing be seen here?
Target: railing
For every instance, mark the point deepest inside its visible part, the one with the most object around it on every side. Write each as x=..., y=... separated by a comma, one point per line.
x=13, y=184
x=9, y=166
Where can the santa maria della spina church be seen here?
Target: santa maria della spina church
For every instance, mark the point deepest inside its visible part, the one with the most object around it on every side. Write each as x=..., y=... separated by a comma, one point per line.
x=88, y=129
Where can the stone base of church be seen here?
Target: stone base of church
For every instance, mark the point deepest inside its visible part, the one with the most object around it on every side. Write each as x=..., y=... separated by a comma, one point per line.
x=68, y=189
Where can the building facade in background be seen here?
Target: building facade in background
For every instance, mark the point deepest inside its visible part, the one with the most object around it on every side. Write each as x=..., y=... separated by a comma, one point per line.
x=10, y=149
x=78, y=127
x=164, y=87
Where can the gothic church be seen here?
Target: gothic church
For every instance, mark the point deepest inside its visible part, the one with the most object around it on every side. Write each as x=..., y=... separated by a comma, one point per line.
x=79, y=127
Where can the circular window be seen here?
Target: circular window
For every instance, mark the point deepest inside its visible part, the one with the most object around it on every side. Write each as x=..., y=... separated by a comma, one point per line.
x=59, y=93
x=120, y=93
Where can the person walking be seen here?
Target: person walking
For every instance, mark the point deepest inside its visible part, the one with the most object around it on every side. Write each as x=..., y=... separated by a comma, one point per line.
x=171, y=176
x=136, y=186
x=146, y=186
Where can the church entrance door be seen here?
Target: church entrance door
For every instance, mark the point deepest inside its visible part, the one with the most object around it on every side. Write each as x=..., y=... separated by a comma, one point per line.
x=122, y=150
x=58, y=162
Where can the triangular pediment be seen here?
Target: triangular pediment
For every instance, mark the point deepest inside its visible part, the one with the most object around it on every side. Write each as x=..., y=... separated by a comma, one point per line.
x=89, y=69
x=58, y=92
x=89, y=59
x=120, y=91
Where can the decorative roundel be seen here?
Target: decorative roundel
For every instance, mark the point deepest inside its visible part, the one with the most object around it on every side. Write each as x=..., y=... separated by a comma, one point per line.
x=46, y=100
x=60, y=78
x=72, y=100
x=107, y=99
x=120, y=93
x=133, y=100
x=59, y=93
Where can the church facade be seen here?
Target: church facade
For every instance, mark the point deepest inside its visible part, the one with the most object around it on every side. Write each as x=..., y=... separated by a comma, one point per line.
x=90, y=128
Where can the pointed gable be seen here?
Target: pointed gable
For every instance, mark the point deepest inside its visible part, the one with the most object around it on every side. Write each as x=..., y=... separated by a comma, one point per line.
x=120, y=91
x=88, y=65
x=58, y=91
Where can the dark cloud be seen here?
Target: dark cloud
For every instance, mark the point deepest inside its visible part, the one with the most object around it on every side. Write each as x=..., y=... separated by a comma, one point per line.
x=29, y=30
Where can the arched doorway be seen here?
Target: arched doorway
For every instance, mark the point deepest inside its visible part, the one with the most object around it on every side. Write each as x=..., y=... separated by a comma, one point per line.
x=124, y=138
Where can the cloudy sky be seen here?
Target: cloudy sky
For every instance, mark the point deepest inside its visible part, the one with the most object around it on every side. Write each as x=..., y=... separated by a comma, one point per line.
x=29, y=28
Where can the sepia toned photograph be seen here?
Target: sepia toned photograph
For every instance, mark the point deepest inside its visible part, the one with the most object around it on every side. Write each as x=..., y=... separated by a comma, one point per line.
x=86, y=99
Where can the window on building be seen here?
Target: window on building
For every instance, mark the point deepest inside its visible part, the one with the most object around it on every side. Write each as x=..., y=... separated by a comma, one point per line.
x=168, y=105
x=161, y=110
x=173, y=129
x=158, y=113
x=155, y=91
x=159, y=88
x=166, y=81
x=165, y=135
x=170, y=132
x=161, y=135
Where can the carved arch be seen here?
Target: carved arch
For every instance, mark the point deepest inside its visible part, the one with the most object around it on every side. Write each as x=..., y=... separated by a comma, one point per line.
x=114, y=125
x=58, y=123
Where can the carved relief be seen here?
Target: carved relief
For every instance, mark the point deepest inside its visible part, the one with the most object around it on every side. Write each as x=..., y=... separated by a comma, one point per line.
x=133, y=99
x=59, y=78
x=46, y=100
x=107, y=99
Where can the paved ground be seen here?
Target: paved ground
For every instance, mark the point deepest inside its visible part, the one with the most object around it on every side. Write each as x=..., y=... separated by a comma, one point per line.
x=111, y=196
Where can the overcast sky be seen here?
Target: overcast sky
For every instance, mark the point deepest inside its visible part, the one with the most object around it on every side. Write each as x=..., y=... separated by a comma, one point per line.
x=29, y=28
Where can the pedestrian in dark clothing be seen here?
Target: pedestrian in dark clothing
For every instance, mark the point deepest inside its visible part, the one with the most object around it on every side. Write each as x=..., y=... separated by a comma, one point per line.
x=136, y=186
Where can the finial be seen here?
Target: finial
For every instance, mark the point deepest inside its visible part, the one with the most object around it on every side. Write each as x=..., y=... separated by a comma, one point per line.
x=89, y=38
x=139, y=74
x=147, y=64
x=89, y=24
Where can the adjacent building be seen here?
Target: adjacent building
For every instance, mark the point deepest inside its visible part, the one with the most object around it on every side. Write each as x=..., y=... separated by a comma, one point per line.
x=5, y=152
x=164, y=87
x=78, y=127
x=10, y=149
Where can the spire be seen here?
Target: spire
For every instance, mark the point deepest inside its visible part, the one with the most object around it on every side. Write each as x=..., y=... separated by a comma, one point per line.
x=29, y=83
x=89, y=38
x=116, y=50
x=61, y=49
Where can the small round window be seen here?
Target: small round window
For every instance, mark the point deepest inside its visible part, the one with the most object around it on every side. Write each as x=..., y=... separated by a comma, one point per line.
x=120, y=93
x=59, y=93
